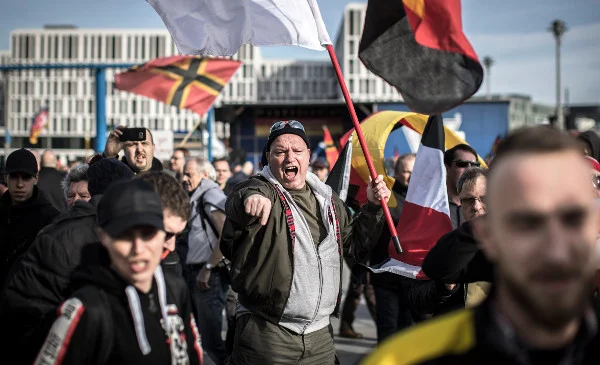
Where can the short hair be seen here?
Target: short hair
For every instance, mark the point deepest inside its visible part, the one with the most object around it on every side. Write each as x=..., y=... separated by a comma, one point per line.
x=203, y=166
x=76, y=174
x=221, y=159
x=172, y=195
x=185, y=151
x=535, y=140
x=151, y=136
x=401, y=159
x=469, y=177
x=450, y=154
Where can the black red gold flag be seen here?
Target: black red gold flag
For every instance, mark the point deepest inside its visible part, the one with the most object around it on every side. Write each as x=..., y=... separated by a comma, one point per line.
x=187, y=82
x=418, y=46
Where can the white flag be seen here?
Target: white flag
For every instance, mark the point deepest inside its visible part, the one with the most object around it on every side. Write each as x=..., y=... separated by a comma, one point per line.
x=220, y=27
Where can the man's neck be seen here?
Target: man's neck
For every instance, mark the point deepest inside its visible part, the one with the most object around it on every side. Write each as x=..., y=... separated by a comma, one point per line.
x=533, y=333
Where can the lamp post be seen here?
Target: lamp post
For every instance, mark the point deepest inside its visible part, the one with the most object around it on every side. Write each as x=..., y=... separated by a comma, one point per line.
x=558, y=28
x=488, y=62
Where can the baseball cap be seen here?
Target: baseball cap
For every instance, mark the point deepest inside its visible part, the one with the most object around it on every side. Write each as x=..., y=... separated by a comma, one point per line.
x=21, y=160
x=319, y=163
x=127, y=204
x=287, y=127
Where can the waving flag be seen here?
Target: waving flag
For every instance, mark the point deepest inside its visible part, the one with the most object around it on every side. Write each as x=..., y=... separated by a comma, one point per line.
x=220, y=27
x=187, y=82
x=377, y=128
x=418, y=46
x=39, y=122
x=339, y=177
x=331, y=151
x=426, y=213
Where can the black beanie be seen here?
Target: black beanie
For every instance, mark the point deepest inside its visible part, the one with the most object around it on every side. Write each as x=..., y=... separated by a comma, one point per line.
x=287, y=129
x=104, y=172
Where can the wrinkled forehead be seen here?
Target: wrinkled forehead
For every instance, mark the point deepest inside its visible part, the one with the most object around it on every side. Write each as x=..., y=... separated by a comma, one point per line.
x=539, y=182
x=288, y=141
x=476, y=187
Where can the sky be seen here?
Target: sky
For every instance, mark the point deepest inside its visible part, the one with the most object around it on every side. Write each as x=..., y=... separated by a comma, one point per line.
x=513, y=32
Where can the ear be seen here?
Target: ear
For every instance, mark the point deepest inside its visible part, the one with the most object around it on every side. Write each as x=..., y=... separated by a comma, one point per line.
x=483, y=236
x=104, y=237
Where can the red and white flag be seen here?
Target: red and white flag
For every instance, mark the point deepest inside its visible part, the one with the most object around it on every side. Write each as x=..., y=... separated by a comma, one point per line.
x=426, y=213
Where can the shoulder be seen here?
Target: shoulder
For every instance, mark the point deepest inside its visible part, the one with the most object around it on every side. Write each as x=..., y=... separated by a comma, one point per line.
x=452, y=334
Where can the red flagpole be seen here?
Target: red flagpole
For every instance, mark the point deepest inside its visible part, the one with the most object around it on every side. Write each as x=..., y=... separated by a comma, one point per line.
x=363, y=143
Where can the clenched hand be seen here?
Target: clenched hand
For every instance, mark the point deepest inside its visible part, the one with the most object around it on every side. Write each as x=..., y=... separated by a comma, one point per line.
x=257, y=205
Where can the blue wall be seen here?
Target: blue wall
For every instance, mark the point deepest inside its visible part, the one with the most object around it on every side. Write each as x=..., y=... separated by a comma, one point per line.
x=482, y=122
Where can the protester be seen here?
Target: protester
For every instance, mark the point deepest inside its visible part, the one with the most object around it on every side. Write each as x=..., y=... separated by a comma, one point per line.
x=75, y=184
x=50, y=179
x=207, y=276
x=223, y=171
x=24, y=211
x=42, y=280
x=138, y=155
x=540, y=232
x=125, y=310
x=176, y=212
x=237, y=176
x=287, y=289
x=456, y=160
x=177, y=161
x=320, y=167
x=3, y=184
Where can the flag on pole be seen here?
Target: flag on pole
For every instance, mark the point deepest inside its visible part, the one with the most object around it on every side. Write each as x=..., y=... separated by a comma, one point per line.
x=339, y=177
x=39, y=122
x=220, y=27
x=331, y=151
x=187, y=82
x=418, y=46
x=426, y=213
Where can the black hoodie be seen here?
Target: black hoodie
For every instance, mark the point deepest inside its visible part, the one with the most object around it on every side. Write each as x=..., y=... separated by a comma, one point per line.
x=107, y=321
x=19, y=225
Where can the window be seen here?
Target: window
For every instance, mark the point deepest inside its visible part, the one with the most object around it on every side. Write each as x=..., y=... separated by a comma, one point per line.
x=351, y=21
x=351, y=48
x=85, y=47
x=55, y=55
x=350, y=67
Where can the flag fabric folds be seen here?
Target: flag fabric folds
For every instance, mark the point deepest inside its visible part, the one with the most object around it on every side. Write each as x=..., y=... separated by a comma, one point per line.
x=418, y=46
x=331, y=151
x=376, y=129
x=39, y=122
x=220, y=27
x=426, y=213
x=339, y=176
x=187, y=82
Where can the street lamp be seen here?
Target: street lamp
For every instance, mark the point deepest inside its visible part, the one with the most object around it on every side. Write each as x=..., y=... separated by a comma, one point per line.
x=488, y=62
x=558, y=28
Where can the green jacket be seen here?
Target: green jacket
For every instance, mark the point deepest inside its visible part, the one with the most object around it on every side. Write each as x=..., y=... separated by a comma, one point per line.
x=262, y=256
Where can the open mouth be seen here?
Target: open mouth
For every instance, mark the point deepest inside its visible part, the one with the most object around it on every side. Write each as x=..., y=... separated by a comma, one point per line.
x=291, y=172
x=138, y=266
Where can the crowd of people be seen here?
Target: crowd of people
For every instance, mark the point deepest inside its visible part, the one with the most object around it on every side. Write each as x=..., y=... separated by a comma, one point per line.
x=121, y=259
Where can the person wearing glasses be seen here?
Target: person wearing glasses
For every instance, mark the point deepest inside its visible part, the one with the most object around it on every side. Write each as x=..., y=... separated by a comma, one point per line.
x=291, y=232
x=46, y=268
x=457, y=160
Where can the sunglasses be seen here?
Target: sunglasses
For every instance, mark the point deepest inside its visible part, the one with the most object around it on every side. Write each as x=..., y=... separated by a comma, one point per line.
x=465, y=163
x=169, y=235
x=596, y=181
x=283, y=123
x=470, y=201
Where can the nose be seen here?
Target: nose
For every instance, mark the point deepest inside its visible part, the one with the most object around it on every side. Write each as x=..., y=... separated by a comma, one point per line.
x=138, y=147
x=136, y=247
x=478, y=206
x=557, y=243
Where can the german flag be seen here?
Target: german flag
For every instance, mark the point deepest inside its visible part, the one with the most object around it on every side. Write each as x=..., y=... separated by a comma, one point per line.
x=187, y=82
x=418, y=46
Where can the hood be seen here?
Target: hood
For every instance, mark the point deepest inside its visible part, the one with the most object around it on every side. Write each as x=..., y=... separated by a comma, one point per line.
x=79, y=210
x=593, y=140
x=205, y=185
x=156, y=165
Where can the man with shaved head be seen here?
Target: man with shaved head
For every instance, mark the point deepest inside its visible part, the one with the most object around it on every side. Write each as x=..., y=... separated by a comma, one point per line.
x=50, y=180
x=540, y=233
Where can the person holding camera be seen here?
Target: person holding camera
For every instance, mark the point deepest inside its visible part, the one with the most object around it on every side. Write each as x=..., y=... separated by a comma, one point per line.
x=138, y=148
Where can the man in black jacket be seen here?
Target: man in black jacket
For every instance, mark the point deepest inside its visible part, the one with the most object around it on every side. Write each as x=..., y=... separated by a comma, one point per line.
x=138, y=155
x=42, y=280
x=24, y=211
x=50, y=180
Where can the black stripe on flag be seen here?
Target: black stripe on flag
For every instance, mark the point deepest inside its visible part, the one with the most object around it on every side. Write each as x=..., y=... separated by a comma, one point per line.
x=433, y=134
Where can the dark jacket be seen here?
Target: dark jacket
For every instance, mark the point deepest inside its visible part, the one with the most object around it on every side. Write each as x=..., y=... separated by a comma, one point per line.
x=49, y=181
x=475, y=336
x=262, y=256
x=19, y=225
x=456, y=258
x=593, y=141
x=233, y=181
x=41, y=280
x=156, y=165
x=107, y=321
